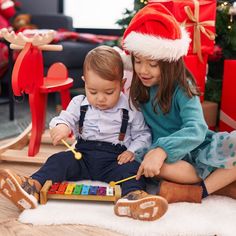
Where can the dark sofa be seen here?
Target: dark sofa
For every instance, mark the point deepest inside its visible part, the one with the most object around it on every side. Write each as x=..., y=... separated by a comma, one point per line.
x=72, y=56
x=73, y=53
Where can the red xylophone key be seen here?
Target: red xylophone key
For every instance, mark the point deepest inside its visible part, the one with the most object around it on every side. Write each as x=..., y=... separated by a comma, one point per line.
x=53, y=188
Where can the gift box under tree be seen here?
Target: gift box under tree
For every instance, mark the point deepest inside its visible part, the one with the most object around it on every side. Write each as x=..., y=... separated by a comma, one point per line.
x=199, y=19
x=228, y=99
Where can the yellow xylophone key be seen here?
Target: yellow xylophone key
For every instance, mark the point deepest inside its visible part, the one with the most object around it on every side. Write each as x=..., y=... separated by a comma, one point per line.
x=69, y=189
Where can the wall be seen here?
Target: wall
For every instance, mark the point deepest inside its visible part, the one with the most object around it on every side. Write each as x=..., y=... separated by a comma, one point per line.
x=39, y=6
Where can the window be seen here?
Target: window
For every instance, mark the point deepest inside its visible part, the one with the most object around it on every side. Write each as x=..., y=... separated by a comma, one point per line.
x=96, y=14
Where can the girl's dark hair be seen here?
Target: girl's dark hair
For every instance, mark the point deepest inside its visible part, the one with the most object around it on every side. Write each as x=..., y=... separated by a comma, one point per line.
x=172, y=74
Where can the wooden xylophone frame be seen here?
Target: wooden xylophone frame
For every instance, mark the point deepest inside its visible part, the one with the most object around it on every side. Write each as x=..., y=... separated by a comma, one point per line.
x=44, y=196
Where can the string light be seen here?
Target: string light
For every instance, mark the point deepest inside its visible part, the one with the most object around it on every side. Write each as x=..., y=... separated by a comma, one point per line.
x=232, y=12
x=144, y=1
x=231, y=9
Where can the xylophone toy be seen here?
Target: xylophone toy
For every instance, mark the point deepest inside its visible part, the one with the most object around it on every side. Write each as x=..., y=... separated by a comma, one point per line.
x=72, y=191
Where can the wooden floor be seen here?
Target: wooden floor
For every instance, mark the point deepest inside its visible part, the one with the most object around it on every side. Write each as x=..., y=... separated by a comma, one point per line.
x=9, y=225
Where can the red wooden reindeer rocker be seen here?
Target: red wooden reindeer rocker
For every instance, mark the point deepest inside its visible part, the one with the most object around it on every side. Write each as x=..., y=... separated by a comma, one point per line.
x=28, y=78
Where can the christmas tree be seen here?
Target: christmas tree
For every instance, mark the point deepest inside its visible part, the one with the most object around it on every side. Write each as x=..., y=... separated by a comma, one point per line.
x=225, y=48
x=128, y=14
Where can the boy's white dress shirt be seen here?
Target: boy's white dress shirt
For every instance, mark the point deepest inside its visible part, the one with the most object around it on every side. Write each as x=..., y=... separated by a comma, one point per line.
x=104, y=125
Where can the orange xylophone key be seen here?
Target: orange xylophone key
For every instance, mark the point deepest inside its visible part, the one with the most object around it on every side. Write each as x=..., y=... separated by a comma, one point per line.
x=62, y=188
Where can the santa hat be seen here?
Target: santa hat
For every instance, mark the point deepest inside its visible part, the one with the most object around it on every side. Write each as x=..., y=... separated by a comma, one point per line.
x=154, y=33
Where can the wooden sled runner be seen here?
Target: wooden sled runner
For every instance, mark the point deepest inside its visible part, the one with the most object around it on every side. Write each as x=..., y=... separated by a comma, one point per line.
x=17, y=149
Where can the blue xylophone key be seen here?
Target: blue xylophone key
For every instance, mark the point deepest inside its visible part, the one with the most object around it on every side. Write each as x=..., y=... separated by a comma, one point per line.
x=93, y=190
x=85, y=190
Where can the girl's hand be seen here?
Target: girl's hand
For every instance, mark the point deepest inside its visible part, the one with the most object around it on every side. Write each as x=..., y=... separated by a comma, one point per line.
x=125, y=157
x=152, y=163
x=59, y=132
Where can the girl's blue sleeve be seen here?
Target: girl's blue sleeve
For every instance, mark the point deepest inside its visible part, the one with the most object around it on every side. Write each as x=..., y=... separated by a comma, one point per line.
x=191, y=133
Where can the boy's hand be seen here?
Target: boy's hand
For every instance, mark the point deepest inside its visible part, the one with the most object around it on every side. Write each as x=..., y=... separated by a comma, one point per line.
x=152, y=163
x=59, y=132
x=125, y=157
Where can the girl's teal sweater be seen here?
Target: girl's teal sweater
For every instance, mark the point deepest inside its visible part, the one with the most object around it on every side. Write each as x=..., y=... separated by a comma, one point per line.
x=182, y=130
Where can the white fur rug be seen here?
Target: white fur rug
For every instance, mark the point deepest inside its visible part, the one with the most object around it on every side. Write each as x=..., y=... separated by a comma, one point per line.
x=215, y=216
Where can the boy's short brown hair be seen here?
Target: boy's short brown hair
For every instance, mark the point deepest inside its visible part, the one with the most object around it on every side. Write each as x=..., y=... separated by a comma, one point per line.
x=104, y=61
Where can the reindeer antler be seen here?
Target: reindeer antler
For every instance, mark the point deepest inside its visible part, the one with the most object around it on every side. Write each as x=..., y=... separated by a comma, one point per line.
x=41, y=41
x=11, y=37
x=38, y=40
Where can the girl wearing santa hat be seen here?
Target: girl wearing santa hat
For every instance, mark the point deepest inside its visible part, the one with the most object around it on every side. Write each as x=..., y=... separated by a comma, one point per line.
x=193, y=161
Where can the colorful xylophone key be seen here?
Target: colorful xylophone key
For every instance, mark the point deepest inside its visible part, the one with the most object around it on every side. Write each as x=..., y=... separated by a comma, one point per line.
x=93, y=190
x=54, y=188
x=62, y=188
x=85, y=190
x=109, y=191
x=72, y=188
x=77, y=189
x=101, y=191
x=69, y=188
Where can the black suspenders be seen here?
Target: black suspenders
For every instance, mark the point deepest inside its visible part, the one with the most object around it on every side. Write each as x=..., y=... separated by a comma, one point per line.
x=83, y=110
x=124, y=124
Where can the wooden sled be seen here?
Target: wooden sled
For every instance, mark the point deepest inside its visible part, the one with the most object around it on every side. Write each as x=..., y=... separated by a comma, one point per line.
x=28, y=78
x=17, y=149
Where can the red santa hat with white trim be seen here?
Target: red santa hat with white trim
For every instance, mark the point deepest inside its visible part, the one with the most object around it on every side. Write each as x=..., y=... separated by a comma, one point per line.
x=154, y=33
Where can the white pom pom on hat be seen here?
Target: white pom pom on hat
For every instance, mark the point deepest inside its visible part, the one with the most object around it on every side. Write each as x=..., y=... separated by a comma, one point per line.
x=154, y=33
